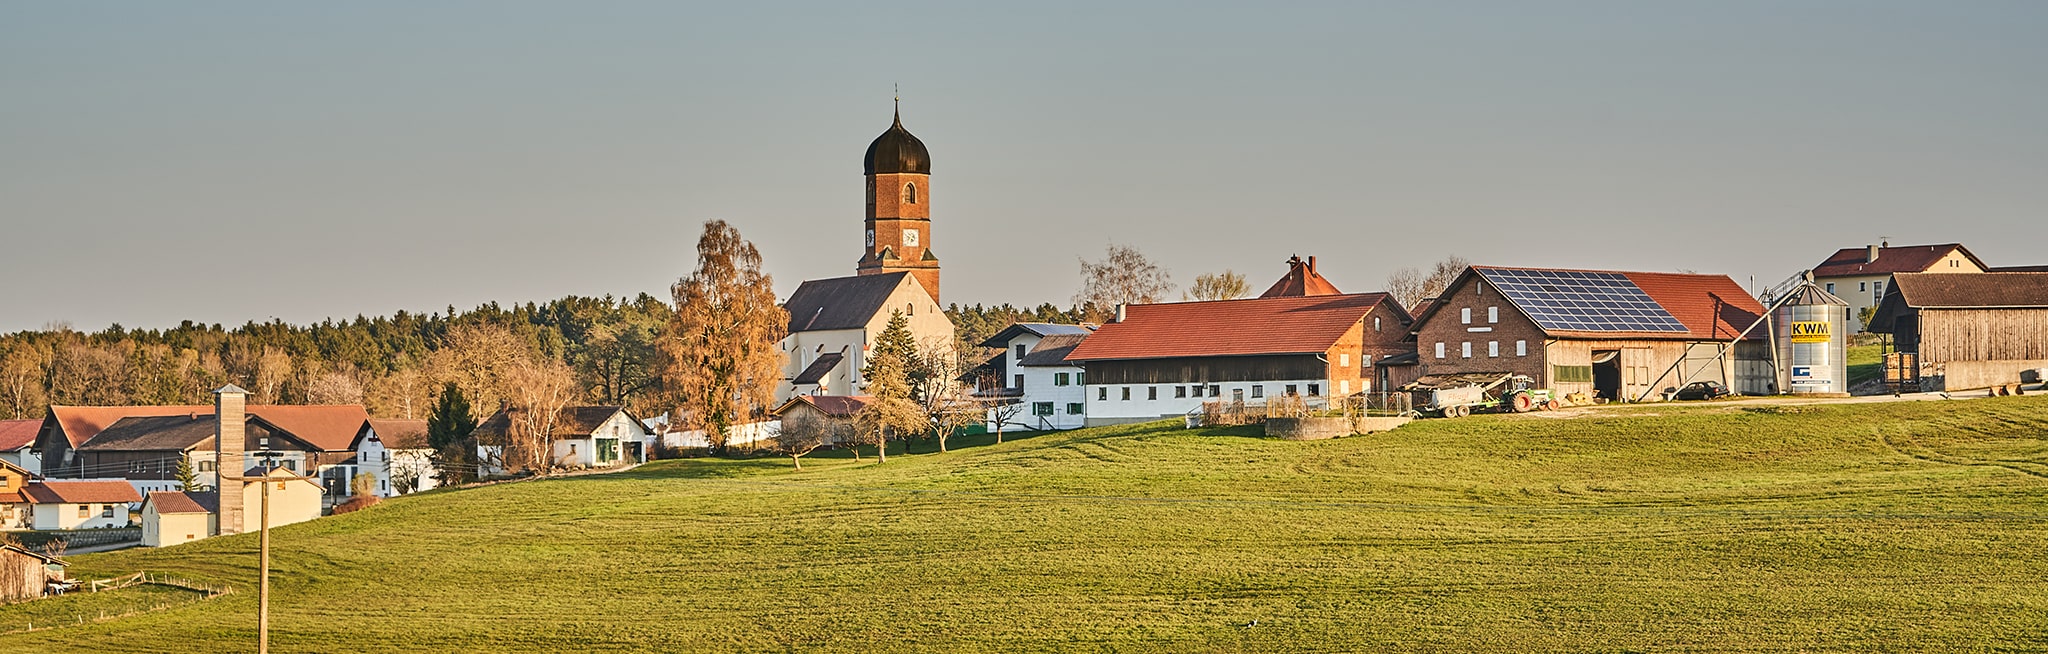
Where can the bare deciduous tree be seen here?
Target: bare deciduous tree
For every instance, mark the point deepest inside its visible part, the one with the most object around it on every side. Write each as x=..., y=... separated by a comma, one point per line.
x=803, y=433
x=538, y=389
x=21, y=383
x=947, y=403
x=1124, y=276
x=722, y=353
x=478, y=358
x=333, y=388
x=1226, y=285
x=1410, y=287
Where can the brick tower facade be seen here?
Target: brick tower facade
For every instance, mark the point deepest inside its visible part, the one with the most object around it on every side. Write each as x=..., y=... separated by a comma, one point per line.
x=899, y=219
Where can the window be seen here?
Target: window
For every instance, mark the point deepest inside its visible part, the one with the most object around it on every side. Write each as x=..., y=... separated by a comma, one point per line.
x=572, y=449
x=1343, y=360
x=1493, y=348
x=1237, y=394
x=1439, y=349
x=1059, y=379
x=1862, y=286
x=206, y=466
x=1291, y=390
x=85, y=510
x=1571, y=374
x=1316, y=390
x=1151, y=392
x=1041, y=408
x=1877, y=289
x=1102, y=394
x=1181, y=391
x=1127, y=393
x=1465, y=349
x=1258, y=391
x=910, y=194
x=1465, y=315
x=1020, y=351
x=1020, y=380
x=1521, y=348
x=1215, y=390
x=1073, y=408
x=1831, y=287
x=1493, y=314
x=1080, y=379
x=1343, y=387
x=1375, y=323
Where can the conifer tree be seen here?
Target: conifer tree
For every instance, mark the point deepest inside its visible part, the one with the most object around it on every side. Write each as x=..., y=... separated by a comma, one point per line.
x=448, y=434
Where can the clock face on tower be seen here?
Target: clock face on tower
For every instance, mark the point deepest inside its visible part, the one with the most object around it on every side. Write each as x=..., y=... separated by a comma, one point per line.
x=910, y=238
x=871, y=238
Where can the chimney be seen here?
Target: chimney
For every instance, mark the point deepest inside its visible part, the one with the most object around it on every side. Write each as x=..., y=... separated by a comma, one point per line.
x=1871, y=256
x=230, y=413
x=1120, y=312
x=1311, y=263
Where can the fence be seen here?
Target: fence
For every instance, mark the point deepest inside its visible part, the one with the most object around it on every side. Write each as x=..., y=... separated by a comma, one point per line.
x=1361, y=405
x=77, y=538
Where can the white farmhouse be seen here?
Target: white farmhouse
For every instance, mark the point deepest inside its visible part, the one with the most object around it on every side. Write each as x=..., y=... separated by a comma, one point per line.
x=80, y=504
x=396, y=451
x=833, y=323
x=1032, y=370
x=585, y=436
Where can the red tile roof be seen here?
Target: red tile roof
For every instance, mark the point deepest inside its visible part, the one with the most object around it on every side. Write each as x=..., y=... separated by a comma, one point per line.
x=401, y=434
x=1979, y=290
x=80, y=492
x=1713, y=307
x=1282, y=325
x=1849, y=262
x=1301, y=280
x=837, y=406
x=329, y=427
x=177, y=502
x=17, y=434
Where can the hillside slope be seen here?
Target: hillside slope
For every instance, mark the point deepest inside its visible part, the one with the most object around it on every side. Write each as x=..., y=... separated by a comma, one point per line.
x=1866, y=527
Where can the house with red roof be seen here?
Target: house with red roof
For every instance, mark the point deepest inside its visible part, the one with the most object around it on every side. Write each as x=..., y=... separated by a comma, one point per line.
x=14, y=506
x=80, y=503
x=17, y=443
x=1859, y=275
x=1165, y=360
x=1617, y=335
x=144, y=444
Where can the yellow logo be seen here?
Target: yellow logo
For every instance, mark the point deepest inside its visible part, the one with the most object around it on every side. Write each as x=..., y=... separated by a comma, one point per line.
x=1810, y=331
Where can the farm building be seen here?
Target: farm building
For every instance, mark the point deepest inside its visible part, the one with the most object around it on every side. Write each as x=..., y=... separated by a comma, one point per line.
x=396, y=451
x=1968, y=331
x=172, y=517
x=26, y=574
x=1164, y=360
x=1859, y=275
x=80, y=504
x=83, y=441
x=1033, y=370
x=585, y=436
x=1610, y=334
x=823, y=409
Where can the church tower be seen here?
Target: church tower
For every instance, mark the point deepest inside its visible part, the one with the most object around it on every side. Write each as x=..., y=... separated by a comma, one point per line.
x=899, y=218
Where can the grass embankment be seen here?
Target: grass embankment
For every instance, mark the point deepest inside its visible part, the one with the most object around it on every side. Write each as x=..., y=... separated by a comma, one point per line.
x=1707, y=528
x=1866, y=362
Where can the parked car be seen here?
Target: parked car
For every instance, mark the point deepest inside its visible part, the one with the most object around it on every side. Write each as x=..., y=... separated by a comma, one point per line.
x=1703, y=390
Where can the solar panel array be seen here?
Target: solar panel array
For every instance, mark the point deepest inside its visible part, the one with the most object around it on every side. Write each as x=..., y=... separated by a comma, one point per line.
x=1566, y=300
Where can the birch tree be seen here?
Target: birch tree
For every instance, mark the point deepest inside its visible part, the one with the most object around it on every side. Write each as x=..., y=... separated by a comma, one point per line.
x=722, y=347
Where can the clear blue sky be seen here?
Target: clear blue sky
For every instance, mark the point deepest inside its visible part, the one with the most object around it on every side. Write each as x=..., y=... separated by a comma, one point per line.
x=232, y=161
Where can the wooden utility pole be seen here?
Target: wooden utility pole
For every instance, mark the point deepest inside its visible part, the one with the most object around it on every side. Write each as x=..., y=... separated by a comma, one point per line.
x=263, y=547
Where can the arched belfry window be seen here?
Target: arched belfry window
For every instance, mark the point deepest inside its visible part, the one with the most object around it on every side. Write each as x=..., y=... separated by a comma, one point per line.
x=910, y=194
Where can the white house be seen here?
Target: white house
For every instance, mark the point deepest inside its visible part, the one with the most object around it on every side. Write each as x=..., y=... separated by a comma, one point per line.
x=1033, y=371
x=80, y=504
x=834, y=322
x=17, y=443
x=396, y=452
x=170, y=518
x=585, y=436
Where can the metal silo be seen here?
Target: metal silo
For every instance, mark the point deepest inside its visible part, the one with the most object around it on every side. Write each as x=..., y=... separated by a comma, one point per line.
x=1811, y=343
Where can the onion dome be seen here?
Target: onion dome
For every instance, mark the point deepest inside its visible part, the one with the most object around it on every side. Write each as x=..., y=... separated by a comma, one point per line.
x=896, y=151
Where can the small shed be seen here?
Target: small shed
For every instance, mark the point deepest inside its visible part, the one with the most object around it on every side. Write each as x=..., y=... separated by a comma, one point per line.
x=26, y=574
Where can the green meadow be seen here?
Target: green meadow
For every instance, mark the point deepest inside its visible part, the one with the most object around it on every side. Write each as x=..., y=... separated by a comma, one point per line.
x=1906, y=526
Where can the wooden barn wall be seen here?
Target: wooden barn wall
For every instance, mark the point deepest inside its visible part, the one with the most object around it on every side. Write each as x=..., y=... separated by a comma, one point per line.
x=1982, y=334
x=1206, y=369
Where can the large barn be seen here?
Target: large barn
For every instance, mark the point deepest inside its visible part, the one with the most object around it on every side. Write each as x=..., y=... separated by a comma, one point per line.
x=1968, y=330
x=1623, y=336
x=1164, y=360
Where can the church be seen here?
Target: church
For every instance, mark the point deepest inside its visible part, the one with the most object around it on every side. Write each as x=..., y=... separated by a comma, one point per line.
x=833, y=322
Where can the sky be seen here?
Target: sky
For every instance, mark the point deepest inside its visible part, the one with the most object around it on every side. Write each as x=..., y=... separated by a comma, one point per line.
x=226, y=162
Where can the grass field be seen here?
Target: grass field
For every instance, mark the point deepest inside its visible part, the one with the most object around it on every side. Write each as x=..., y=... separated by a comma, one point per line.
x=1873, y=527
x=1866, y=362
